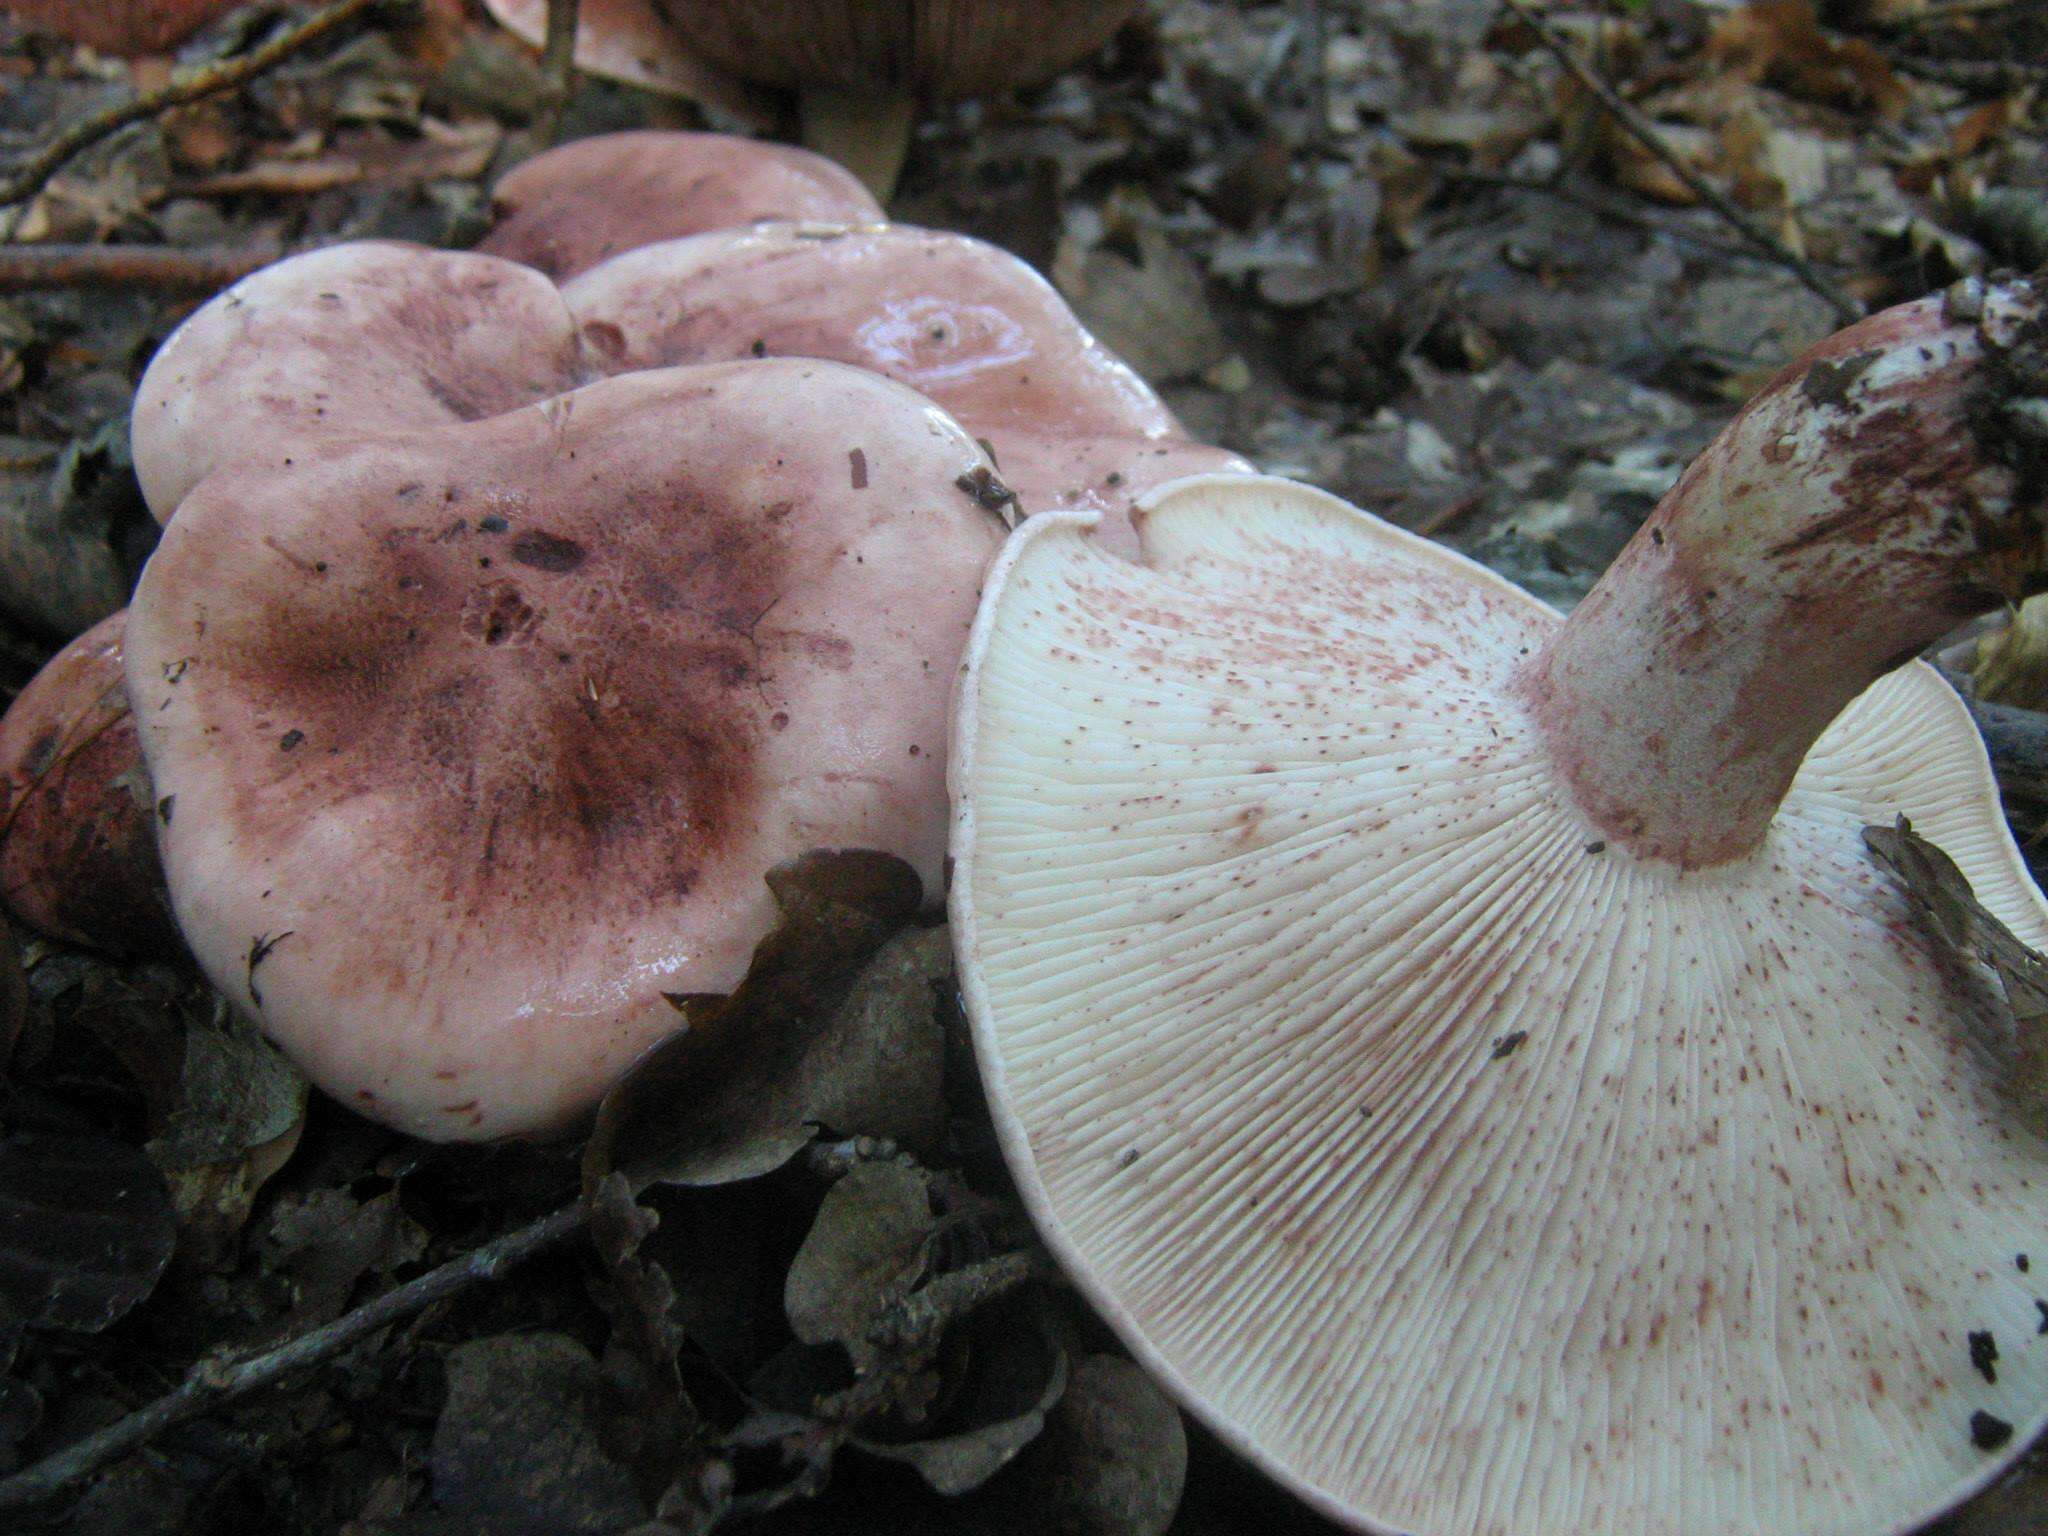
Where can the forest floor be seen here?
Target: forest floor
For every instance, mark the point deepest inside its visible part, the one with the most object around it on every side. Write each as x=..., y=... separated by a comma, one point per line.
x=1395, y=248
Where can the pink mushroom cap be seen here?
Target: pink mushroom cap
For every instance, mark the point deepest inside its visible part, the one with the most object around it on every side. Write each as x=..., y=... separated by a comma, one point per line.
x=959, y=320
x=78, y=854
x=474, y=744
x=369, y=336
x=571, y=208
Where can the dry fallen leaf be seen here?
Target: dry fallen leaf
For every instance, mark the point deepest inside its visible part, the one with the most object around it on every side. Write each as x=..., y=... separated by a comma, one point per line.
x=1150, y=308
x=86, y=1230
x=631, y=40
x=324, y=1242
x=749, y=1076
x=1944, y=894
x=126, y=27
x=2010, y=664
x=1780, y=42
x=59, y=573
x=865, y=1252
x=518, y=1450
x=1019, y=1372
x=241, y=1109
x=1111, y=1462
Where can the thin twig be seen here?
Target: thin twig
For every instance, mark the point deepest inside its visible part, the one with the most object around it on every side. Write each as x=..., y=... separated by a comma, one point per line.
x=1645, y=132
x=214, y=1384
x=158, y=268
x=193, y=85
x=557, y=65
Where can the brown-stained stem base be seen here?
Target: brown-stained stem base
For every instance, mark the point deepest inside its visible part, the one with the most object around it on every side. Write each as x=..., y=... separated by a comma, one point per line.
x=189, y=86
x=213, y=1384
x=157, y=268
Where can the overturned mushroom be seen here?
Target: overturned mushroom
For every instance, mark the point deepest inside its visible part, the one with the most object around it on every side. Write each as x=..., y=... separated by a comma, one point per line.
x=1470, y=1055
x=368, y=336
x=477, y=743
x=77, y=846
x=961, y=321
x=569, y=209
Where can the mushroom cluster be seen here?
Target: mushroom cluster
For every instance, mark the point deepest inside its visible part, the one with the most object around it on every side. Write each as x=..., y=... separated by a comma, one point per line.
x=1470, y=1055
x=503, y=636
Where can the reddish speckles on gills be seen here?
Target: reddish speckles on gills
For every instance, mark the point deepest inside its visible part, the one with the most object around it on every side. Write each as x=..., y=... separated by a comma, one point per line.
x=1852, y=514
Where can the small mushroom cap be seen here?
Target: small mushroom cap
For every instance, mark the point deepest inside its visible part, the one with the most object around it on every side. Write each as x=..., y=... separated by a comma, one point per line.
x=934, y=47
x=370, y=336
x=569, y=209
x=1466, y=1175
x=77, y=843
x=480, y=742
x=959, y=320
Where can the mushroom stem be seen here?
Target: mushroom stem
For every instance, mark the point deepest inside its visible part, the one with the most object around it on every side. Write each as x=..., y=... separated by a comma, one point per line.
x=1886, y=486
x=868, y=132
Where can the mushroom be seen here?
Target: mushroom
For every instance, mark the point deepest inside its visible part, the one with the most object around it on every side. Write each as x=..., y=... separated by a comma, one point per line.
x=858, y=66
x=475, y=744
x=569, y=209
x=1469, y=1054
x=371, y=335
x=962, y=322
x=77, y=847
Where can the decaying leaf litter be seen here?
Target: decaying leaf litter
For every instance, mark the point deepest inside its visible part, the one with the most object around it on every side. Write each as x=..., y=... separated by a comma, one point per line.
x=1400, y=251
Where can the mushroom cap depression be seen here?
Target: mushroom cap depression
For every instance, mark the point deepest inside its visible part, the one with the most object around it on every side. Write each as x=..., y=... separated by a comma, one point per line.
x=369, y=336
x=1469, y=1174
x=472, y=746
x=571, y=208
x=961, y=321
